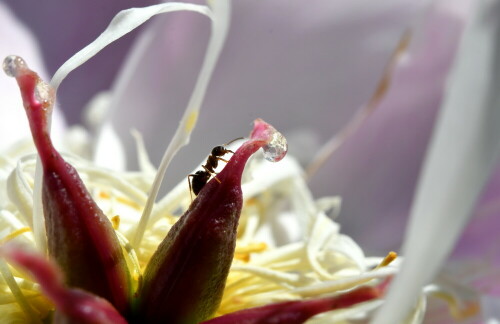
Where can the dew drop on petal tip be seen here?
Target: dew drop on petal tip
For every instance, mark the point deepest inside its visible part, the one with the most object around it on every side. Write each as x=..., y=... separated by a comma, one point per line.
x=12, y=64
x=276, y=149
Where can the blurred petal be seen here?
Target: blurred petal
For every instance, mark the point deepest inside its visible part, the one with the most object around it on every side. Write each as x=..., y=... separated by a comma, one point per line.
x=110, y=153
x=475, y=259
x=463, y=150
x=62, y=28
x=259, y=73
x=375, y=171
x=74, y=306
x=17, y=39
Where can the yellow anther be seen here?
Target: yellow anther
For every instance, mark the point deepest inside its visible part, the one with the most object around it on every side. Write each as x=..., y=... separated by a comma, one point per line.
x=459, y=310
x=391, y=256
x=14, y=234
x=245, y=257
x=115, y=221
x=104, y=195
x=128, y=202
x=122, y=200
x=252, y=247
x=242, y=253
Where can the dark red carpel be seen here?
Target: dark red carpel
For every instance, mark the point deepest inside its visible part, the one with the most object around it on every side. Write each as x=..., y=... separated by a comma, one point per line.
x=185, y=278
x=297, y=312
x=73, y=305
x=80, y=237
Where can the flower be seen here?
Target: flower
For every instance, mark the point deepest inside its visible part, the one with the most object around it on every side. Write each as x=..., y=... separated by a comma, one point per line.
x=89, y=254
x=414, y=244
x=197, y=251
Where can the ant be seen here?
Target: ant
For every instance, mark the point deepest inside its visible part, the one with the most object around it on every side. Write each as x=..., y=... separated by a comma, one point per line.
x=200, y=178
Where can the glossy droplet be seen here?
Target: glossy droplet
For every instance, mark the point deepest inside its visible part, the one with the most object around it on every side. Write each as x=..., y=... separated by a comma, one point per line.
x=277, y=147
x=44, y=93
x=13, y=64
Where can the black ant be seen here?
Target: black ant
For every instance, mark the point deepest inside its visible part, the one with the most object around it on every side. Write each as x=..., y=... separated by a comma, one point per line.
x=200, y=178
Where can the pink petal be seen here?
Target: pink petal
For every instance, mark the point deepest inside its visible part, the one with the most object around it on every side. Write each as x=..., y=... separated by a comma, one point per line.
x=297, y=312
x=75, y=306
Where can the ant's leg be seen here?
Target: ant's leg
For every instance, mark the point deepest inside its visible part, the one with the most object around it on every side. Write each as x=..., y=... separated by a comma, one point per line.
x=211, y=172
x=220, y=159
x=239, y=138
x=206, y=169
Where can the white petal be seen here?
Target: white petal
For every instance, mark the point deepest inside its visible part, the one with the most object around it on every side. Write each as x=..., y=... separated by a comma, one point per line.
x=490, y=306
x=463, y=149
x=17, y=39
x=109, y=153
x=220, y=26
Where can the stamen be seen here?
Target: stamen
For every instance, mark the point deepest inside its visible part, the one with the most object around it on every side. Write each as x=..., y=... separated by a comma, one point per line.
x=457, y=310
x=15, y=234
x=220, y=26
x=128, y=202
x=17, y=293
x=362, y=114
x=252, y=248
x=134, y=265
x=391, y=256
x=342, y=284
x=462, y=301
x=242, y=253
x=115, y=221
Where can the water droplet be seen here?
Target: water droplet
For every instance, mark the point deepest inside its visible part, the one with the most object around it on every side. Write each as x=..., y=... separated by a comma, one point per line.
x=276, y=149
x=13, y=64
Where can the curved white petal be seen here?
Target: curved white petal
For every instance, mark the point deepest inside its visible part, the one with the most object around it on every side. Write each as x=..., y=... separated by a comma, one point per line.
x=302, y=64
x=463, y=150
x=123, y=23
x=220, y=27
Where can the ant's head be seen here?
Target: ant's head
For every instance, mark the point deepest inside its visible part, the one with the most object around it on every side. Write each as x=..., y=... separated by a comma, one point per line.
x=219, y=150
